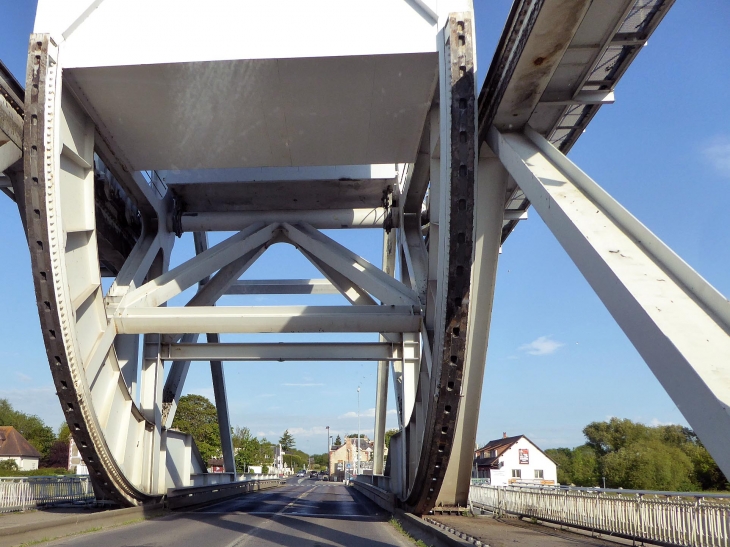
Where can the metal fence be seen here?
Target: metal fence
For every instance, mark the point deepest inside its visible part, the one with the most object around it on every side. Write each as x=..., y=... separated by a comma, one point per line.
x=665, y=518
x=20, y=493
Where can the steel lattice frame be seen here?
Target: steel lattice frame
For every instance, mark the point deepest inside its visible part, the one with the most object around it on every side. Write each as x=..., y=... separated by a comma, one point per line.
x=445, y=215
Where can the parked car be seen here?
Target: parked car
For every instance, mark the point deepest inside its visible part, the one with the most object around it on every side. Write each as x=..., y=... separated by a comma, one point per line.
x=300, y=474
x=313, y=475
x=325, y=477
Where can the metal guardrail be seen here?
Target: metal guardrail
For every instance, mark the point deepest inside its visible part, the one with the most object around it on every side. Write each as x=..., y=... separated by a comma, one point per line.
x=21, y=493
x=666, y=518
x=190, y=496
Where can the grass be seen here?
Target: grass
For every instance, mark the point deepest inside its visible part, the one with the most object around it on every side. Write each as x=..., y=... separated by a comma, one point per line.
x=46, y=540
x=397, y=525
x=90, y=530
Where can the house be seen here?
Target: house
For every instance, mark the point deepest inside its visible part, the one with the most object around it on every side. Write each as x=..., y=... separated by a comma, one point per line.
x=215, y=465
x=514, y=460
x=75, y=461
x=13, y=446
x=343, y=457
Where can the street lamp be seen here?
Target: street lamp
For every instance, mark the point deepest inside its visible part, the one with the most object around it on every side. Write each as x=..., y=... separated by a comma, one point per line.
x=358, y=432
x=328, y=450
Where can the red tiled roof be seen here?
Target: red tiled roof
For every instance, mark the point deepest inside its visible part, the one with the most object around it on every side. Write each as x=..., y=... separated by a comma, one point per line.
x=12, y=443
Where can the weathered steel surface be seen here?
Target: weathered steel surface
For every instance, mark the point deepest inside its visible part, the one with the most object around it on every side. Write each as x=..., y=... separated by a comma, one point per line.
x=448, y=368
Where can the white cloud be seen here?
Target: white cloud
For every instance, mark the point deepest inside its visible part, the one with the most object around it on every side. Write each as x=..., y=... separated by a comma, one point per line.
x=543, y=345
x=717, y=153
x=23, y=377
x=656, y=422
x=309, y=431
x=369, y=413
x=302, y=385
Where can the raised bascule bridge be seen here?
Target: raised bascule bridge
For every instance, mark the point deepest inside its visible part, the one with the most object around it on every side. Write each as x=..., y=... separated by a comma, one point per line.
x=140, y=121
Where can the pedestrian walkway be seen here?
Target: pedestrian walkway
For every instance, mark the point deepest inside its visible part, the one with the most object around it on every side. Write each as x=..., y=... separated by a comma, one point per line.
x=508, y=532
x=32, y=517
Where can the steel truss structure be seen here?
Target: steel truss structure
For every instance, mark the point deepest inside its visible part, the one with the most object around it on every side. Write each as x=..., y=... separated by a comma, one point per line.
x=111, y=155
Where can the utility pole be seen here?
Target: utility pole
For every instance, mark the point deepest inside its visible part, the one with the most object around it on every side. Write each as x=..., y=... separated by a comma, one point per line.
x=358, y=432
x=328, y=450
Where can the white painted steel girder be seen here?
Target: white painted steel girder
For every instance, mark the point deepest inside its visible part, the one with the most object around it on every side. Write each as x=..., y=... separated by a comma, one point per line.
x=282, y=286
x=490, y=190
x=676, y=320
x=262, y=319
x=290, y=351
x=325, y=219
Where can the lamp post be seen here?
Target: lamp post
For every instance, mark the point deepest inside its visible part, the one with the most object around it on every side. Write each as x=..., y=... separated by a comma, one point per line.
x=328, y=450
x=357, y=468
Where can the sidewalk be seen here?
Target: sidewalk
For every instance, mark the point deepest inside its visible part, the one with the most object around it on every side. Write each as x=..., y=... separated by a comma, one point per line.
x=510, y=531
x=37, y=516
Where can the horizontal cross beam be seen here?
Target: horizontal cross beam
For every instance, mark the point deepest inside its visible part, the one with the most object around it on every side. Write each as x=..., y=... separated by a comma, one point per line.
x=375, y=351
x=323, y=219
x=272, y=319
x=282, y=286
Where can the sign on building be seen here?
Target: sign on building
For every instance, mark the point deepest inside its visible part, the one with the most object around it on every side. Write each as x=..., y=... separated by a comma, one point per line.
x=524, y=455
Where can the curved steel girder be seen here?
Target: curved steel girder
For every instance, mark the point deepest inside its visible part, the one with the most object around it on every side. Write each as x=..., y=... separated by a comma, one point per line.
x=50, y=237
x=427, y=438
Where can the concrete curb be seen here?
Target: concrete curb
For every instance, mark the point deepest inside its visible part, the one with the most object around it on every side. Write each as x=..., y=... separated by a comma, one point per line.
x=467, y=539
x=423, y=529
x=66, y=526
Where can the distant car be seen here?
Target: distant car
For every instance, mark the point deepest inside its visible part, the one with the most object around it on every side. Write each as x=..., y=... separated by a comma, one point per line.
x=313, y=475
x=300, y=474
x=325, y=478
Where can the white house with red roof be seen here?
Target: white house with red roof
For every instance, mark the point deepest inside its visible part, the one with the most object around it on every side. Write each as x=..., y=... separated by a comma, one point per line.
x=514, y=461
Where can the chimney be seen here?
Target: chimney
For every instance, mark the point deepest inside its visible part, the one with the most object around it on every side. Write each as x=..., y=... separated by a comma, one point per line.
x=504, y=435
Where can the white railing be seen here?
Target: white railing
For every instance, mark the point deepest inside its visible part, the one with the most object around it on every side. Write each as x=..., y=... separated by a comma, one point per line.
x=668, y=518
x=20, y=493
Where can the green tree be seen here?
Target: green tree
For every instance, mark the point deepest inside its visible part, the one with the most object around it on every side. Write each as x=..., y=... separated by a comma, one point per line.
x=563, y=458
x=649, y=465
x=338, y=441
x=320, y=460
x=388, y=434
x=287, y=442
x=585, y=466
x=637, y=456
x=197, y=416
x=605, y=437
x=64, y=433
x=354, y=436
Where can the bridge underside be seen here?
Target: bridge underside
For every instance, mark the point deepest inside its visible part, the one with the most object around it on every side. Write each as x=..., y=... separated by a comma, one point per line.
x=116, y=150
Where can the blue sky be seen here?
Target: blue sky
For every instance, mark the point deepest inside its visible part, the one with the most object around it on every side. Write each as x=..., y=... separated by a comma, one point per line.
x=556, y=359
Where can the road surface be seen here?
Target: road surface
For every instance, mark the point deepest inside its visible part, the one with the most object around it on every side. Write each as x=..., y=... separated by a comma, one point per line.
x=304, y=513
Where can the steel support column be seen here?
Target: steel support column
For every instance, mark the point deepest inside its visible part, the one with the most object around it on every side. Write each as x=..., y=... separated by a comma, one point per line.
x=676, y=320
x=381, y=388
x=489, y=196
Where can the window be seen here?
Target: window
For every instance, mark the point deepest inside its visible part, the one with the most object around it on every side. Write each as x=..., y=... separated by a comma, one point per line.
x=517, y=473
x=538, y=474
x=492, y=453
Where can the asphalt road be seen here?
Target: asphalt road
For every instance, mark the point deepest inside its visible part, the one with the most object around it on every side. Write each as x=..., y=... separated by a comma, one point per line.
x=304, y=513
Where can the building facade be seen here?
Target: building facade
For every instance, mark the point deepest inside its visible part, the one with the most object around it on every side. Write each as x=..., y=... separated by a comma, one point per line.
x=75, y=462
x=514, y=461
x=343, y=458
